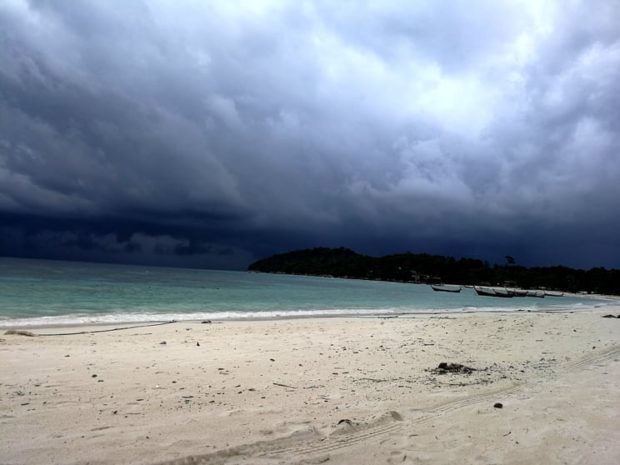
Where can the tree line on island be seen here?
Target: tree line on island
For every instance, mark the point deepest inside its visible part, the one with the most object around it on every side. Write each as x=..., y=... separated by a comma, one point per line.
x=429, y=269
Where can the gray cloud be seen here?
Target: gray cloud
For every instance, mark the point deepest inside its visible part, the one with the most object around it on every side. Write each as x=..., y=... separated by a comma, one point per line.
x=448, y=126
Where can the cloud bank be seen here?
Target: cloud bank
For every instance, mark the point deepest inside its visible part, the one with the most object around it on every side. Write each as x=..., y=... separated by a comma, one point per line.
x=209, y=133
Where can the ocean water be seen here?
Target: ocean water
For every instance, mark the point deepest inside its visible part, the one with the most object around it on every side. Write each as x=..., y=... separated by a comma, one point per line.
x=46, y=292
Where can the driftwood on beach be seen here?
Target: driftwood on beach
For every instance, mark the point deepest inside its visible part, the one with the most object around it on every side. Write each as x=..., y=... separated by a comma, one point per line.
x=19, y=332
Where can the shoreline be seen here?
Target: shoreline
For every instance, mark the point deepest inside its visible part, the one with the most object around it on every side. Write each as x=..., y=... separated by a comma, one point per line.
x=9, y=324
x=312, y=390
x=107, y=319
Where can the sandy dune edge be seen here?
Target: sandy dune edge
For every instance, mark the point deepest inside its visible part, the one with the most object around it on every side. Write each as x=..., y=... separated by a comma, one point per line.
x=357, y=390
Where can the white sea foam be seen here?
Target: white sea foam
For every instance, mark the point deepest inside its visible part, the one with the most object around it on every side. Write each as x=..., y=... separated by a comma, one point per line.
x=144, y=317
x=113, y=318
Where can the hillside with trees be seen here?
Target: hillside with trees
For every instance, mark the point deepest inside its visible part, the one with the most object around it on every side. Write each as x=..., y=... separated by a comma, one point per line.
x=425, y=268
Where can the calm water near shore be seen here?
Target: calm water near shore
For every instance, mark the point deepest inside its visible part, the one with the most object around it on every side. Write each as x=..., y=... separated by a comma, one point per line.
x=35, y=292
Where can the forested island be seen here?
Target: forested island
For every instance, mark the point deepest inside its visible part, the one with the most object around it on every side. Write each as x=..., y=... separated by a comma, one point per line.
x=424, y=268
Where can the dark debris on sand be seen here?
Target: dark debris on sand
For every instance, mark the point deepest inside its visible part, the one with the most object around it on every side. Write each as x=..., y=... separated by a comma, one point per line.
x=19, y=332
x=447, y=367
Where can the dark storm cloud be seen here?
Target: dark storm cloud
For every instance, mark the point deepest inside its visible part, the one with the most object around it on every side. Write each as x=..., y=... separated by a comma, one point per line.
x=214, y=133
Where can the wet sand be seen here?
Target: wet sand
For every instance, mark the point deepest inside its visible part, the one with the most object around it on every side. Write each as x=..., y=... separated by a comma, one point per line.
x=325, y=390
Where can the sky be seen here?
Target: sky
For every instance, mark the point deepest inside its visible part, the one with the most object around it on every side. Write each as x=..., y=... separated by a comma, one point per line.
x=211, y=133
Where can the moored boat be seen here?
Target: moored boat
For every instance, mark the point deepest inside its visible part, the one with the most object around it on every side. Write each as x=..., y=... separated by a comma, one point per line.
x=518, y=292
x=532, y=293
x=553, y=294
x=492, y=291
x=503, y=292
x=446, y=287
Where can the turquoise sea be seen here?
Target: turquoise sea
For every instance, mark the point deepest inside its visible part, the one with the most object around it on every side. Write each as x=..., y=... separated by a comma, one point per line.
x=46, y=292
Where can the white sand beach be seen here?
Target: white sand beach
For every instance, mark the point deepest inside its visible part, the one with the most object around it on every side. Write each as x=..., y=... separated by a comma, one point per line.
x=330, y=390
